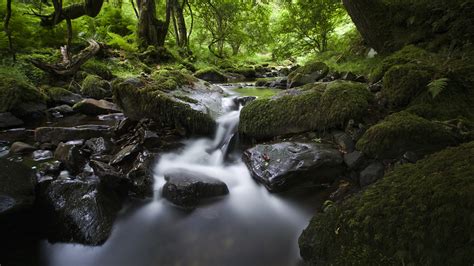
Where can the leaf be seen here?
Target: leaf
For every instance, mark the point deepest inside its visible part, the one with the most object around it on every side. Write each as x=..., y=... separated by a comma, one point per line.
x=435, y=87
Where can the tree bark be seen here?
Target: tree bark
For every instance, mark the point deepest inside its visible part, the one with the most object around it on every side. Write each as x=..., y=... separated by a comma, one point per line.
x=369, y=18
x=152, y=31
x=89, y=8
x=6, y=27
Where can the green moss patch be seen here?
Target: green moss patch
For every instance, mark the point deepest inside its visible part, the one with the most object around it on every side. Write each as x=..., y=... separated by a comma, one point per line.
x=311, y=107
x=418, y=214
x=402, y=132
x=95, y=87
x=15, y=89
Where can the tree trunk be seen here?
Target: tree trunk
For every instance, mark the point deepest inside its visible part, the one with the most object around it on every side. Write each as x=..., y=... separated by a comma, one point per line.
x=152, y=31
x=369, y=18
x=89, y=8
x=6, y=27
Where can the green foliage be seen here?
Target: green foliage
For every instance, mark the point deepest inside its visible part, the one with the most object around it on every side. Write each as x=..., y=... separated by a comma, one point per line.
x=435, y=87
x=418, y=214
x=15, y=88
x=402, y=132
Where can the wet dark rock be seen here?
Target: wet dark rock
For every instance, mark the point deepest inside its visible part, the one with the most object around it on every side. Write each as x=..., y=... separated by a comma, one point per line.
x=17, y=183
x=110, y=176
x=127, y=153
x=99, y=146
x=96, y=107
x=72, y=156
x=7, y=120
x=66, y=99
x=124, y=126
x=56, y=135
x=279, y=83
x=282, y=165
x=21, y=148
x=242, y=101
x=354, y=159
x=187, y=189
x=376, y=87
x=150, y=139
x=141, y=175
x=42, y=155
x=50, y=168
x=344, y=141
x=78, y=211
x=349, y=76
x=371, y=173
x=29, y=110
x=311, y=72
x=410, y=157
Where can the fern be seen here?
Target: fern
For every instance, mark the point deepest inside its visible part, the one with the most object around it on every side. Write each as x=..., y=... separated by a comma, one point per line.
x=435, y=87
x=126, y=43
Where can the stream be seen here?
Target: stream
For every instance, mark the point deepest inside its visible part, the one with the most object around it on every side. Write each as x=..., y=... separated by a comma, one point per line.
x=250, y=226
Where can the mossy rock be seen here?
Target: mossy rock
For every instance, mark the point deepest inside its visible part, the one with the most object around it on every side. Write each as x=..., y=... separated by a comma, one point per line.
x=98, y=68
x=95, y=87
x=247, y=72
x=402, y=83
x=58, y=95
x=309, y=73
x=408, y=54
x=169, y=80
x=402, y=132
x=312, y=107
x=16, y=89
x=211, y=74
x=418, y=214
x=147, y=101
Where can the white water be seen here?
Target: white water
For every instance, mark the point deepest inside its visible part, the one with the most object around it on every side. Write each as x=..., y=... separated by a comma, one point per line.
x=247, y=227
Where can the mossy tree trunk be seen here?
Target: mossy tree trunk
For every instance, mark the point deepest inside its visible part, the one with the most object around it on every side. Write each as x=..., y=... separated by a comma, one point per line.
x=177, y=9
x=6, y=25
x=152, y=31
x=89, y=8
x=369, y=18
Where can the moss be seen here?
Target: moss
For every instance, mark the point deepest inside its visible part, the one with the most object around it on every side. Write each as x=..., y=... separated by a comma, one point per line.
x=98, y=68
x=263, y=82
x=409, y=54
x=402, y=132
x=15, y=88
x=418, y=214
x=95, y=87
x=248, y=72
x=403, y=82
x=139, y=103
x=316, y=106
x=343, y=101
x=53, y=94
x=169, y=80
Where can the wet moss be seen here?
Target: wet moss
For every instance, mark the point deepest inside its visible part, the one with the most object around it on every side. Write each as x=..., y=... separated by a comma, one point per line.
x=402, y=83
x=402, y=132
x=149, y=102
x=418, y=214
x=95, y=87
x=312, y=107
x=15, y=88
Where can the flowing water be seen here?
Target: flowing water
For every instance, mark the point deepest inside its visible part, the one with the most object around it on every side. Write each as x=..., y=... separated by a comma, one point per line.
x=247, y=227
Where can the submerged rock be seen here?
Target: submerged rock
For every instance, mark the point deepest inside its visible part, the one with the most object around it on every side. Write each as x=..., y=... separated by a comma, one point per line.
x=78, y=211
x=187, y=189
x=282, y=165
x=17, y=187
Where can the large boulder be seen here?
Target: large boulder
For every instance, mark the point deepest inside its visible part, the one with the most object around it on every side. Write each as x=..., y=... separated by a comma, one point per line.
x=17, y=187
x=418, y=214
x=309, y=73
x=95, y=87
x=95, y=107
x=185, y=105
x=282, y=165
x=78, y=211
x=313, y=107
x=402, y=132
x=56, y=135
x=187, y=189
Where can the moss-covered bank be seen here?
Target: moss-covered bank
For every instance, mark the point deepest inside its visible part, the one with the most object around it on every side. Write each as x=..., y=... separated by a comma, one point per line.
x=419, y=214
